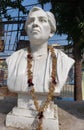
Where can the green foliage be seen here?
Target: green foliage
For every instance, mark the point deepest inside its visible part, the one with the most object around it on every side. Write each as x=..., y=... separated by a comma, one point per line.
x=43, y=1
x=70, y=20
x=14, y=4
x=83, y=66
x=3, y=64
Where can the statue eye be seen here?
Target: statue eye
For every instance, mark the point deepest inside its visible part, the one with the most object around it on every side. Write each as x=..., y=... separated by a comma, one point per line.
x=42, y=20
x=30, y=21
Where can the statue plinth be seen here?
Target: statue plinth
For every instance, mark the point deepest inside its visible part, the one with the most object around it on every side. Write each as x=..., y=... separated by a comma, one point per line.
x=24, y=115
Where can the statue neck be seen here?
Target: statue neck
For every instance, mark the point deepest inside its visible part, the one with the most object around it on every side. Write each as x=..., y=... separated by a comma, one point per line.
x=39, y=50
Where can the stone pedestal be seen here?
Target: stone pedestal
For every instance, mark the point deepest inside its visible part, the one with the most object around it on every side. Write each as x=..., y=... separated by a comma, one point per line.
x=24, y=115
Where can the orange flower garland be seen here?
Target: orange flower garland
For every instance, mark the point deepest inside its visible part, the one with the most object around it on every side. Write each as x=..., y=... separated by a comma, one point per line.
x=53, y=83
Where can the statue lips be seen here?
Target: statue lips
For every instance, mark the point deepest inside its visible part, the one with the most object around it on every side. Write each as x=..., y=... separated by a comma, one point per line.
x=35, y=30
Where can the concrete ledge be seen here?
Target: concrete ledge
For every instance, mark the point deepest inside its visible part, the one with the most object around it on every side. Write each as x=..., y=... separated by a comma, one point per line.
x=29, y=123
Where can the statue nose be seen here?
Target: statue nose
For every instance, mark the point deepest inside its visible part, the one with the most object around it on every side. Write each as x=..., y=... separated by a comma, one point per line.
x=35, y=23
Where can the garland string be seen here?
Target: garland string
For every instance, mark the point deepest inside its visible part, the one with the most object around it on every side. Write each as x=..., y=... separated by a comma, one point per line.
x=41, y=109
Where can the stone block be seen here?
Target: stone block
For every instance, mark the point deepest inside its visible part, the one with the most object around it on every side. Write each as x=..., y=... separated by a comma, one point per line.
x=19, y=119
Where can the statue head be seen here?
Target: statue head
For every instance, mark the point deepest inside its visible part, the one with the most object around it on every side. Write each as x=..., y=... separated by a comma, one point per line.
x=40, y=24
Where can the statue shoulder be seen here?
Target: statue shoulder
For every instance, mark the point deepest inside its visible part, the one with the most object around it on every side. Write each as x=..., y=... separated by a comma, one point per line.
x=60, y=53
x=15, y=55
x=19, y=52
x=61, y=56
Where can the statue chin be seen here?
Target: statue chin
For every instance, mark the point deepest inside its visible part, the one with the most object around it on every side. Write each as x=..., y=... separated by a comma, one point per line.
x=38, y=41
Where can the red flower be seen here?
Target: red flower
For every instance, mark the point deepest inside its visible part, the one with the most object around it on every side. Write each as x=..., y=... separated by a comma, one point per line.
x=40, y=115
x=54, y=80
x=29, y=56
x=30, y=83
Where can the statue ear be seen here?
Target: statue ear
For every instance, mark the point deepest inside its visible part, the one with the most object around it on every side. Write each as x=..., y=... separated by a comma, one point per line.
x=51, y=34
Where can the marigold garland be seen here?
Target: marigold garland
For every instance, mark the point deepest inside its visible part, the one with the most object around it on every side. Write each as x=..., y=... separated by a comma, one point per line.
x=53, y=83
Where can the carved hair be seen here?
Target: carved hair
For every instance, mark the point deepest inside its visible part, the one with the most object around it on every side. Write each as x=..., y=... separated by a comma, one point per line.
x=50, y=16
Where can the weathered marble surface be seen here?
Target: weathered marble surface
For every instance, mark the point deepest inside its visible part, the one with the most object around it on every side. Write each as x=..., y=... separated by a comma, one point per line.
x=23, y=116
x=37, y=25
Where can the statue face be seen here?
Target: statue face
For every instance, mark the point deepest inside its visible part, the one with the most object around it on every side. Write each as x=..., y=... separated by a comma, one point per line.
x=38, y=27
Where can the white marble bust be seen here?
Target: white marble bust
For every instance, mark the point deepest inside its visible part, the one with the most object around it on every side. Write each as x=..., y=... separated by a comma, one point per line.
x=40, y=26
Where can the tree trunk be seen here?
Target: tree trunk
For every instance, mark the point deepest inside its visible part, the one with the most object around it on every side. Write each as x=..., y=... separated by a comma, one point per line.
x=77, y=75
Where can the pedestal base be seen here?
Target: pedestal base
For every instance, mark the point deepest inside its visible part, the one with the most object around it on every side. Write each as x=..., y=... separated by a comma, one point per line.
x=24, y=116
x=25, y=122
